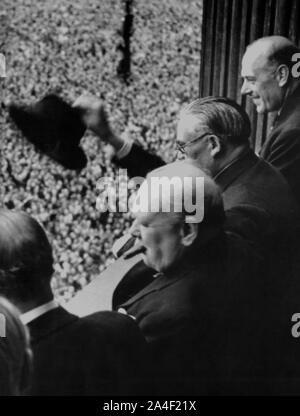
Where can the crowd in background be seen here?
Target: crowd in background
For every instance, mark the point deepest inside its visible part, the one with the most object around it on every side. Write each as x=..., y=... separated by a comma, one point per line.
x=70, y=48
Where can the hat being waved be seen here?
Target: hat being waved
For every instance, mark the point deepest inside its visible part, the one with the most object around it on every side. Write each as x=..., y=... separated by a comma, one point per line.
x=54, y=127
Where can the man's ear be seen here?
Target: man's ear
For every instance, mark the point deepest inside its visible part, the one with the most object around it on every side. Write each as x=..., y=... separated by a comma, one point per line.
x=189, y=234
x=283, y=74
x=215, y=145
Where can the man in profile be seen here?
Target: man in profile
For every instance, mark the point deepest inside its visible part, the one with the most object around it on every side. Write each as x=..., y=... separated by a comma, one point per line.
x=273, y=85
x=261, y=212
x=203, y=322
x=182, y=313
x=102, y=354
x=213, y=133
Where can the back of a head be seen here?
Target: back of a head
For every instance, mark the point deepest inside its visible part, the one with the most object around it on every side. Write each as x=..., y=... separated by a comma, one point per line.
x=26, y=261
x=15, y=353
x=222, y=117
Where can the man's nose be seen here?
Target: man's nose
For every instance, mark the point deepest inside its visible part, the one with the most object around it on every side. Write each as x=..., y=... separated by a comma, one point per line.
x=180, y=155
x=135, y=230
x=246, y=90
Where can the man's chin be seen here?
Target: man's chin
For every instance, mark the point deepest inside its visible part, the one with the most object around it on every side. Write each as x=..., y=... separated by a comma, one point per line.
x=150, y=264
x=260, y=109
x=146, y=261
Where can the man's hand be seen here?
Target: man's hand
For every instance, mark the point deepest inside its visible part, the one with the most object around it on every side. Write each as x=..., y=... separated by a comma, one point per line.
x=93, y=115
x=95, y=118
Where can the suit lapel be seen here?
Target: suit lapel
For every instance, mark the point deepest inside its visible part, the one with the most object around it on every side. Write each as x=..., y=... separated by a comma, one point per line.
x=288, y=108
x=289, y=105
x=158, y=284
x=49, y=323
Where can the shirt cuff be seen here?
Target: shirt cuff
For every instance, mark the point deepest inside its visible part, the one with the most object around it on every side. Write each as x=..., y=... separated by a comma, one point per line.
x=125, y=149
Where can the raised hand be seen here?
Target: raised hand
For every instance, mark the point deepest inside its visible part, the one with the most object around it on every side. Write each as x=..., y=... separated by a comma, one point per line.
x=94, y=115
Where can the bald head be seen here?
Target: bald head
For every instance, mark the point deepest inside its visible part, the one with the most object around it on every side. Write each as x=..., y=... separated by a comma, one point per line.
x=267, y=72
x=177, y=208
x=272, y=51
x=180, y=191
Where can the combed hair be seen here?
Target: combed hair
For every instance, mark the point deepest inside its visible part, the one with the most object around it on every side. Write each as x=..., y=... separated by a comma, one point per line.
x=26, y=260
x=14, y=352
x=223, y=117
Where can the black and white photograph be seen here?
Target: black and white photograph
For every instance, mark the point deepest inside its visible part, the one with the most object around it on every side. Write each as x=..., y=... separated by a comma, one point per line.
x=149, y=201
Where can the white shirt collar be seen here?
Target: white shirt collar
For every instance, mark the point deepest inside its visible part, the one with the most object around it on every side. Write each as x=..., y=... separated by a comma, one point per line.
x=29, y=316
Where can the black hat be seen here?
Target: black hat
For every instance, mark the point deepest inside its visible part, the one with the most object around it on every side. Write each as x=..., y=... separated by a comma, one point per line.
x=54, y=127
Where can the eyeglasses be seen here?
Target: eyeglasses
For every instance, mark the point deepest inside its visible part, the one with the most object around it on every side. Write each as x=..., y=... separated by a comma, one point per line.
x=181, y=147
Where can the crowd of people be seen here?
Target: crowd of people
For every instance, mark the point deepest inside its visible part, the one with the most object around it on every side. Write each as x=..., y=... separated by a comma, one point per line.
x=77, y=51
x=207, y=308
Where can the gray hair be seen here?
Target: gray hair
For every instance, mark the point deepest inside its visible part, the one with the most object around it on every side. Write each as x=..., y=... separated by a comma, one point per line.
x=223, y=117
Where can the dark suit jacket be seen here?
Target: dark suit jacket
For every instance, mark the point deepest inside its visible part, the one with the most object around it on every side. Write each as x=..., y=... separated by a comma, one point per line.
x=260, y=208
x=282, y=148
x=102, y=354
x=248, y=181
x=205, y=325
x=259, y=204
x=181, y=314
x=261, y=224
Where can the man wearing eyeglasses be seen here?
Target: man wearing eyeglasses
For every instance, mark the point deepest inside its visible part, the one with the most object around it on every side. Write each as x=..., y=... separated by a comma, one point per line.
x=274, y=86
x=261, y=213
x=213, y=134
